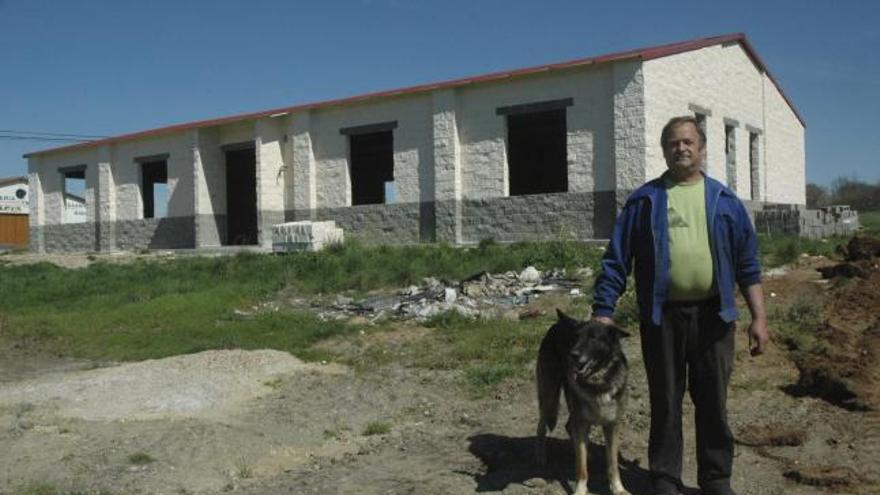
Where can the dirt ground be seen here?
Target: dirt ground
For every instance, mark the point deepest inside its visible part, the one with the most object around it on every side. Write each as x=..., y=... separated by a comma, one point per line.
x=262, y=422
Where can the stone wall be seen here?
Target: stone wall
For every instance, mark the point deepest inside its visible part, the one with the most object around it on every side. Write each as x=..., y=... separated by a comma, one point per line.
x=562, y=216
x=798, y=220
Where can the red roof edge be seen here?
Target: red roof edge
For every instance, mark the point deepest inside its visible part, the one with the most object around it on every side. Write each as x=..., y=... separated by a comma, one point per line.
x=13, y=180
x=647, y=53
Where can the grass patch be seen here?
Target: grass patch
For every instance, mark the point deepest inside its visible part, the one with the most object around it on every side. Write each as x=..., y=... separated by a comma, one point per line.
x=870, y=222
x=154, y=309
x=778, y=250
x=243, y=468
x=140, y=458
x=797, y=324
x=487, y=351
x=377, y=428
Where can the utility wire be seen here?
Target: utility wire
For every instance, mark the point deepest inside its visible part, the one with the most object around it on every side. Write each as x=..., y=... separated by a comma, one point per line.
x=37, y=138
x=56, y=134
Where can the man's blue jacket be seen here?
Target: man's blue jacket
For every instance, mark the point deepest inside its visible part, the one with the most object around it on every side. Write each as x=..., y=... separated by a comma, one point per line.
x=641, y=234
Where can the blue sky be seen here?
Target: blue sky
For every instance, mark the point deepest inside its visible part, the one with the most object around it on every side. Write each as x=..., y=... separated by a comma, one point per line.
x=107, y=67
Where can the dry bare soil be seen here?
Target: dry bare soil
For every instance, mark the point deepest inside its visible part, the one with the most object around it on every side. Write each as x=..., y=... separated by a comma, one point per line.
x=262, y=422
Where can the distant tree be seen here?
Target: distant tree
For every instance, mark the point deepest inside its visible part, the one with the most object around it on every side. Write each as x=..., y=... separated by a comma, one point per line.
x=855, y=193
x=817, y=196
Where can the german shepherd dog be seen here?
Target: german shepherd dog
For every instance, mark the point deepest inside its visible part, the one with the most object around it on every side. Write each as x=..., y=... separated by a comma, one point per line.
x=586, y=361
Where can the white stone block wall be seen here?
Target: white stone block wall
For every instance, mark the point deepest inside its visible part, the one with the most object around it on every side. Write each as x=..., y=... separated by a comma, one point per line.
x=629, y=145
x=270, y=174
x=127, y=174
x=721, y=79
x=51, y=183
x=483, y=132
x=413, y=145
x=302, y=191
x=784, y=159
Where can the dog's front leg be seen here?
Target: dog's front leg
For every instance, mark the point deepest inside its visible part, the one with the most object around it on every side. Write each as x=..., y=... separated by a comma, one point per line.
x=579, y=437
x=541, y=442
x=612, y=447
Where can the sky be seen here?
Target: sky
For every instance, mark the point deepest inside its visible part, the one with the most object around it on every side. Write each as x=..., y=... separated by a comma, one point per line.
x=109, y=67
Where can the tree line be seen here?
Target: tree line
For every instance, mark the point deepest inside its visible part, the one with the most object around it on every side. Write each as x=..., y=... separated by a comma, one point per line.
x=859, y=195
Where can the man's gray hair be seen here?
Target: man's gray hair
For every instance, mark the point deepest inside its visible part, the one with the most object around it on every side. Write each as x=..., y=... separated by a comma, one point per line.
x=677, y=121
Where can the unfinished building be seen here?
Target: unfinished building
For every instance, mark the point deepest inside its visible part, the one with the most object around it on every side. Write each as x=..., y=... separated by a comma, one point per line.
x=539, y=153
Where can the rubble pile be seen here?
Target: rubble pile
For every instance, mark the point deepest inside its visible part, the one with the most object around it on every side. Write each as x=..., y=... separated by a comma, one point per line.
x=481, y=295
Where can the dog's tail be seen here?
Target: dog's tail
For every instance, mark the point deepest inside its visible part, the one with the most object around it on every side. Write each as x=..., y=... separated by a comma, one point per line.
x=549, y=375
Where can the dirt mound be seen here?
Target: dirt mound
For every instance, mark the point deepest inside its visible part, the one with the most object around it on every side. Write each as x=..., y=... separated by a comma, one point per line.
x=209, y=383
x=846, y=367
x=861, y=248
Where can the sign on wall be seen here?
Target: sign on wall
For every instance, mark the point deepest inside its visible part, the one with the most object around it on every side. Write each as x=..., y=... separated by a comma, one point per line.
x=14, y=198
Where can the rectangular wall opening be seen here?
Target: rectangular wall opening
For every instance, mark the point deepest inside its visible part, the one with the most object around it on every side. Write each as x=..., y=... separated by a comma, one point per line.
x=703, y=126
x=372, y=168
x=241, y=196
x=754, y=176
x=74, y=195
x=154, y=188
x=536, y=152
x=730, y=155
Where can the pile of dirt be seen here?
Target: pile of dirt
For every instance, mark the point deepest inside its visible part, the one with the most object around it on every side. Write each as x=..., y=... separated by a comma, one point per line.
x=847, y=370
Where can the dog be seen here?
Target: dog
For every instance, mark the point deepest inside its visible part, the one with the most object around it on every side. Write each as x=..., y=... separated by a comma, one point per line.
x=586, y=361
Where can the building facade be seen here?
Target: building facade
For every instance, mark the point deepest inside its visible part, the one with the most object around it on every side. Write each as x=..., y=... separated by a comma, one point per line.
x=540, y=153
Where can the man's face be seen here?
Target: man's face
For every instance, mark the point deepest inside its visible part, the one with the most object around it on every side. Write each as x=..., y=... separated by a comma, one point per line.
x=684, y=152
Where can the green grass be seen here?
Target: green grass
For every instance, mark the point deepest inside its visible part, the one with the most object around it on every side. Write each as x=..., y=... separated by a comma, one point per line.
x=153, y=309
x=487, y=351
x=377, y=428
x=870, y=222
x=140, y=458
x=777, y=250
x=797, y=323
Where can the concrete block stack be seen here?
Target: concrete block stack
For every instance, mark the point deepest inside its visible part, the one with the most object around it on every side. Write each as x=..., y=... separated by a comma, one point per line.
x=814, y=224
x=305, y=236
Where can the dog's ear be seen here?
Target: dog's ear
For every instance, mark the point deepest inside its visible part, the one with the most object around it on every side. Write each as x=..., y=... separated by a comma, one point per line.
x=565, y=319
x=619, y=332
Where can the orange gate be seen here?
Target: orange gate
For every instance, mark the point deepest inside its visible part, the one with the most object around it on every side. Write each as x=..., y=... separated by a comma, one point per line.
x=14, y=230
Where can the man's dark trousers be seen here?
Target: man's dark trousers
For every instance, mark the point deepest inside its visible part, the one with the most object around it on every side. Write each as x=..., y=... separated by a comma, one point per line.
x=693, y=347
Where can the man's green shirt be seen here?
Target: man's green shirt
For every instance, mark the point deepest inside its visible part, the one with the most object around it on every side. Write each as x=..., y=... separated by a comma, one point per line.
x=690, y=256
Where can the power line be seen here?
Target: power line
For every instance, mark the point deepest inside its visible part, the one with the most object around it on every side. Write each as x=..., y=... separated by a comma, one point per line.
x=56, y=134
x=38, y=138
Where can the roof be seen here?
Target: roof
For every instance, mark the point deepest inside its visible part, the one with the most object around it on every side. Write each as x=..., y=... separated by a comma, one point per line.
x=647, y=53
x=12, y=180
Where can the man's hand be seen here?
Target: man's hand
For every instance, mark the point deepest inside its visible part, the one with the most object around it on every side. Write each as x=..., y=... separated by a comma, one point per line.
x=758, y=333
x=603, y=320
x=758, y=336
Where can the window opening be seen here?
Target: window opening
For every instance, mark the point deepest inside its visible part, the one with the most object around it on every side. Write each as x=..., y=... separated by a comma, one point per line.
x=730, y=155
x=753, y=166
x=536, y=152
x=74, y=195
x=154, y=188
x=701, y=123
x=372, y=168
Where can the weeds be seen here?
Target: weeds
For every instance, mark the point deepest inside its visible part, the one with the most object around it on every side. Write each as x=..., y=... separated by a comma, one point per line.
x=243, y=468
x=487, y=351
x=140, y=458
x=784, y=249
x=797, y=324
x=377, y=428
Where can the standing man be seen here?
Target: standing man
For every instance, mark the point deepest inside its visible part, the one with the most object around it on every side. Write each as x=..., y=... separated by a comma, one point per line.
x=692, y=242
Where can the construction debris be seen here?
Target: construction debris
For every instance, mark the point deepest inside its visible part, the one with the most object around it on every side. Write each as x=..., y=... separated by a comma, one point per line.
x=305, y=236
x=481, y=295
